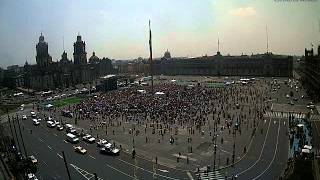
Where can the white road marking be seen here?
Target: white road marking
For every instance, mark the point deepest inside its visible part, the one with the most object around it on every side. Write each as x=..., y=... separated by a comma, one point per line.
x=65, y=141
x=284, y=123
x=119, y=171
x=59, y=155
x=274, y=122
x=274, y=155
x=145, y=169
x=55, y=134
x=264, y=143
x=189, y=175
x=49, y=147
x=92, y=157
x=40, y=139
x=45, y=163
x=84, y=173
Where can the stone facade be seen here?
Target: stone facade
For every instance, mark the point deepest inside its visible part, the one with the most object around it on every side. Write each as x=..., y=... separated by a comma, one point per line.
x=254, y=65
x=311, y=73
x=47, y=74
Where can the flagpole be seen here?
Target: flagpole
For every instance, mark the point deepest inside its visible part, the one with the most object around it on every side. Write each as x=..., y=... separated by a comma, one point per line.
x=151, y=62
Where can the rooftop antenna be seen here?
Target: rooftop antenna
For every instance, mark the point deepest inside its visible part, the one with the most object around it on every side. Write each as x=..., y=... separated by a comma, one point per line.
x=267, y=39
x=63, y=43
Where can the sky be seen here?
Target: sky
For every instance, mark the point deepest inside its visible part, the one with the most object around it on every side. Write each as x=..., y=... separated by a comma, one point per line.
x=118, y=29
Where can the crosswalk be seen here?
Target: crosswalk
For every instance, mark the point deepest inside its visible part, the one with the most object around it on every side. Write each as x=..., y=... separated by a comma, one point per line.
x=213, y=175
x=313, y=117
x=84, y=173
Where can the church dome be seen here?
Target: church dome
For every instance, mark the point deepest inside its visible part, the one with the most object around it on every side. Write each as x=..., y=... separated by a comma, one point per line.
x=94, y=58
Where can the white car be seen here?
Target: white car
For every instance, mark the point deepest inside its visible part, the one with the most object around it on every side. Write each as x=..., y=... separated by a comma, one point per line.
x=36, y=122
x=88, y=138
x=39, y=119
x=59, y=127
x=31, y=176
x=102, y=142
x=80, y=149
x=51, y=124
x=24, y=117
x=33, y=159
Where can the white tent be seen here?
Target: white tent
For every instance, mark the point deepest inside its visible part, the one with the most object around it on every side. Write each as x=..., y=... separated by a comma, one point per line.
x=307, y=147
x=49, y=106
x=142, y=91
x=305, y=151
x=300, y=125
x=159, y=93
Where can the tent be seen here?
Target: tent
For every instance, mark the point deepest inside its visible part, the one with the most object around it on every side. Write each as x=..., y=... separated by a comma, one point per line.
x=159, y=93
x=49, y=106
x=142, y=91
x=300, y=125
x=305, y=151
x=307, y=147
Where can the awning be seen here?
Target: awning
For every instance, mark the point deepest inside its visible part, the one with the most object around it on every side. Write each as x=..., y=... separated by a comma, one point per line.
x=307, y=147
x=159, y=93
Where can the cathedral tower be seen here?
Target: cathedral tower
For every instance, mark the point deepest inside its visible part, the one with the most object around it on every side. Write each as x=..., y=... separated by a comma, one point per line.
x=43, y=58
x=79, y=53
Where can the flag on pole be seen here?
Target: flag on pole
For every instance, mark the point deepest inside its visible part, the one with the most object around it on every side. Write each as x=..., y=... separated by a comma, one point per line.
x=150, y=42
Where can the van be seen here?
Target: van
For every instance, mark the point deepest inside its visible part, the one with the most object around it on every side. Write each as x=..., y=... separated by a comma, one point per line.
x=72, y=138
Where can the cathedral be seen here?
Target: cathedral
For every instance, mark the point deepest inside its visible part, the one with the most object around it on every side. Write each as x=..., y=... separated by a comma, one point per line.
x=47, y=74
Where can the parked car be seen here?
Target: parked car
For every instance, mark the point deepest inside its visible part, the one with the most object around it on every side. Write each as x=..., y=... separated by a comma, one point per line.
x=88, y=138
x=80, y=149
x=102, y=142
x=24, y=117
x=59, y=127
x=36, y=122
x=33, y=159
x=110, y=151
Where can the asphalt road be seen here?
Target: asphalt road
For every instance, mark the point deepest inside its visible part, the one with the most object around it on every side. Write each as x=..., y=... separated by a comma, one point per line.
x=267, y=157
x=47, y=144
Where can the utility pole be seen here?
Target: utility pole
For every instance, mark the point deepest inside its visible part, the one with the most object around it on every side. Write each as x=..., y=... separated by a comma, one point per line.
x=154, y=175
x=65, y=163
x=135, y=177
x=24, y=147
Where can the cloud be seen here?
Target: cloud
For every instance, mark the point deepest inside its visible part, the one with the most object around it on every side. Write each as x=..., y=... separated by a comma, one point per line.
x=243, y=11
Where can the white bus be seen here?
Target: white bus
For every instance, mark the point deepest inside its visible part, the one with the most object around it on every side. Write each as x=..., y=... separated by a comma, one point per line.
x=72, y=138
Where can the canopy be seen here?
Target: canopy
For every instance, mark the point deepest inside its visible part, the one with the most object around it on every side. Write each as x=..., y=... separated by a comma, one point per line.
x=307, y=147
x=49, y=105
x=142, y=91
x=159, y=93
x=305, y=151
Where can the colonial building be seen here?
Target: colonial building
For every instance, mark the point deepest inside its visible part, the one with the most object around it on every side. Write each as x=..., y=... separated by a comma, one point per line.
x=311, y=73
x=47, y=74
x=255, y=65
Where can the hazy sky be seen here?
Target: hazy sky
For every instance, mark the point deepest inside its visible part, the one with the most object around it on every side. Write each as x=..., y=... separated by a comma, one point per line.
x=118, y=29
